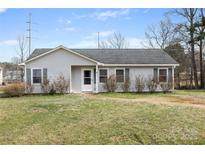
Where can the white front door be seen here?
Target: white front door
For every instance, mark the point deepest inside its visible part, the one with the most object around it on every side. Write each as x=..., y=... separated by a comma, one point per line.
x=87, y=81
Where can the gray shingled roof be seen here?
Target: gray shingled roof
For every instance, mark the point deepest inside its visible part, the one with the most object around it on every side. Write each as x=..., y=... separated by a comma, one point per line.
x=120, y=56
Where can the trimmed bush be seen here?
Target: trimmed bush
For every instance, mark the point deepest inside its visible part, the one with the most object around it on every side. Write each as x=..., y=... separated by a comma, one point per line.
x=151, y=85
x=46, y=87
x=29, y=88
x=126, y=85
x=139, y=83
x=166, y=87
x=110, y=84
x=61, y=85
x=16, y=89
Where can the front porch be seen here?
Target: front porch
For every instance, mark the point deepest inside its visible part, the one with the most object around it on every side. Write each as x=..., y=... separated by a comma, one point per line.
x=84, y=79
x=91, y=78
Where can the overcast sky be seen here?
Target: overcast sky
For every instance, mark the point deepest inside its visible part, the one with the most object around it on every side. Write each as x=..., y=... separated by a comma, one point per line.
x=73, y=28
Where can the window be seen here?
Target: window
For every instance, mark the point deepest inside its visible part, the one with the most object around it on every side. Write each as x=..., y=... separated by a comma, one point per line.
x=162, y=75
x=36, y=75
x=87, y=77
x=103, y=75
x=120, y=75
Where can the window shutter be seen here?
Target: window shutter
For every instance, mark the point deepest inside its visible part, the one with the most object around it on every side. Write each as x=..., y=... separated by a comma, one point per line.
x=156, y=74
x=45, y=72
x=170, y=75
x=28, y=76
x=94, y=75
x=127, y=74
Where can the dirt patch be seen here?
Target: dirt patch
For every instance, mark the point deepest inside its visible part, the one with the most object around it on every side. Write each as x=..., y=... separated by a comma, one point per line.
x=162, y=100
x=119, y=138
x=38, y=110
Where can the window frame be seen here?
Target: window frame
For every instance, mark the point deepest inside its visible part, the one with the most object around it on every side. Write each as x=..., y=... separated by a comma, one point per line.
x=123, y=74
x=90, y=77
x=99, y=74
x=32, y=76
x=163, y=68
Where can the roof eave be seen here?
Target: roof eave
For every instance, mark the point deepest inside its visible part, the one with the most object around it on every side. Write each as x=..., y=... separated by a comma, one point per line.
x=21, y=64
x=141, y=65
x=62, y=47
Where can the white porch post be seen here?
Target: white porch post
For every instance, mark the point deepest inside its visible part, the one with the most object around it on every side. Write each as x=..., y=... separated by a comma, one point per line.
x=97, y=78
x=25, y=77
x=70, y=73
x=173, y=77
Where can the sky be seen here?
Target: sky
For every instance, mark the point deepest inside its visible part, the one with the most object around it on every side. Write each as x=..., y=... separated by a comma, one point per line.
x=74, y=28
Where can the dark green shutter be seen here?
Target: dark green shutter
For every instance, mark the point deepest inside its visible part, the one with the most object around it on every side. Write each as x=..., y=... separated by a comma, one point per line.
x=94, y=76
x=170, y=75
x=45, y=74
x=28, y=76
x=156, y=74
x=127, y=74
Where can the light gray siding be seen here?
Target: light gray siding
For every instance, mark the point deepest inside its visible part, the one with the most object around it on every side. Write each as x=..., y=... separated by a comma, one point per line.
x=76, y=79
x=57, y=62
x=145, y=72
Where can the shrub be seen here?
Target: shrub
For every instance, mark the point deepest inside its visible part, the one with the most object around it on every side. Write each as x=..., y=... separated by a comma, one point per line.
x=151, y=85
x=110, y=84
x=61, y=85
x=126, y=85
x=46, y=87
x=166, y=87
x=29, y=88
x=139, y=83
x=16, y=89
x=52, y=89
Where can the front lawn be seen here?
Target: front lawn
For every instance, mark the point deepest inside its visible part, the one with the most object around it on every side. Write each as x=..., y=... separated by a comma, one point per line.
x=104, y=119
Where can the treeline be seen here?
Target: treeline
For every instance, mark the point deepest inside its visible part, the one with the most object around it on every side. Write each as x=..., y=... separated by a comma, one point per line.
x=184, y=41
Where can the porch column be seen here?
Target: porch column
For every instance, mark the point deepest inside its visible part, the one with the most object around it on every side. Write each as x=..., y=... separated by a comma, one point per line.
x=173, y=77
x=25, y=77
x=70, y=76
x=97, y=78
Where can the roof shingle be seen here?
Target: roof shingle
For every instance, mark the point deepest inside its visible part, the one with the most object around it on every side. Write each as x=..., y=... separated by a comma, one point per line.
x=120, y=56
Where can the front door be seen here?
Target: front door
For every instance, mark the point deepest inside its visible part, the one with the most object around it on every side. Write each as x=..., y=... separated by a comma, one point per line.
x=87, y=82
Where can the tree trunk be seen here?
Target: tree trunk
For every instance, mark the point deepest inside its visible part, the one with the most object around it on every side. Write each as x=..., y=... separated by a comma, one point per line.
x=193, y=52
x=178, y=76
x=201, y=64
x=191, y=78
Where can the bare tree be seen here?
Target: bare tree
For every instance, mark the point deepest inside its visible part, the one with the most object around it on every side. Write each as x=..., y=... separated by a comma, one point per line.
x=190, y=16
x=200, y=28
x=21, y=51
x=159, y=35
x=22, y=48
x=117, y=41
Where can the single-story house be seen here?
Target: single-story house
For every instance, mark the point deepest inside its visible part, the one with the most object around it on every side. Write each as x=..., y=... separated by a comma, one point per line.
x=88, y=69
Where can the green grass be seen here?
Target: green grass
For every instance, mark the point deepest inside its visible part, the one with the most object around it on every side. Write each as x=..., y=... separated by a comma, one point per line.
x=157, y=94
x=76, y=119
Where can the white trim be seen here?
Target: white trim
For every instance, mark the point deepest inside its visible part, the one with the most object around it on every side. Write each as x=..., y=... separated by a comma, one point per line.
x=36, y=84
x=96, y=78
x=25, y=78
x=70, y=76
x=122, y=65
x=163, y=68
x=62, y=47
x=172, y=78
x=107, y=74
x=21, y=64
x=82, y=79
x=123, y=73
